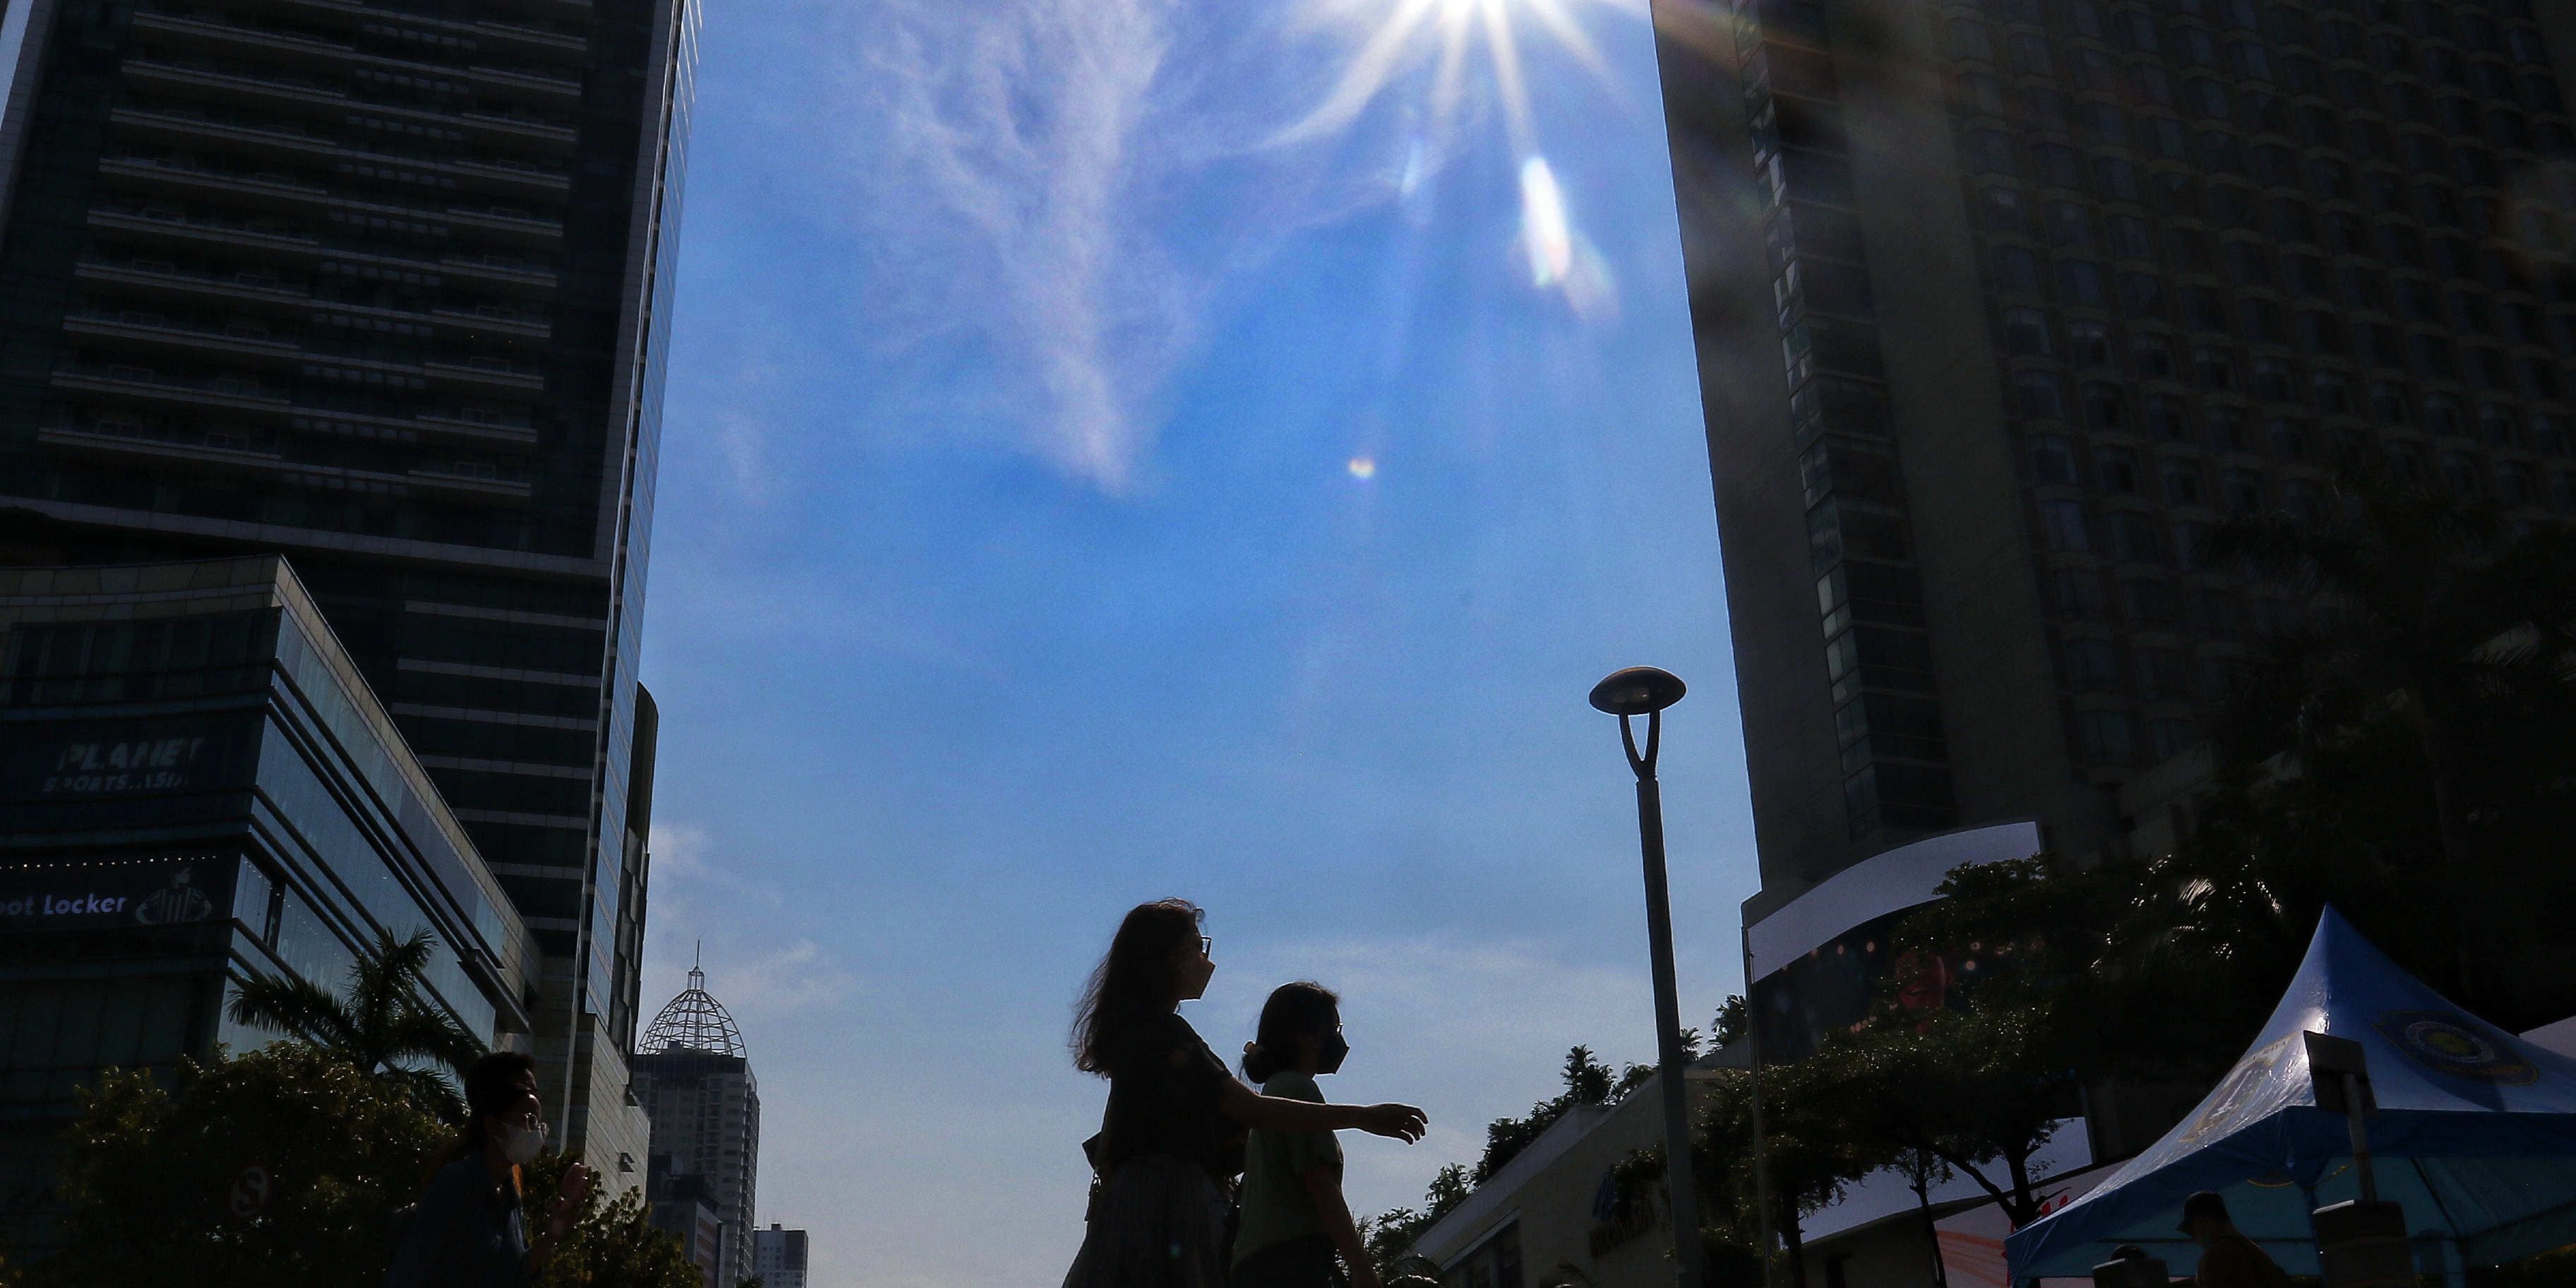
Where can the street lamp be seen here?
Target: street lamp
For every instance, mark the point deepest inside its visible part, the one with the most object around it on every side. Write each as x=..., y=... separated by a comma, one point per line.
x=1645, y=691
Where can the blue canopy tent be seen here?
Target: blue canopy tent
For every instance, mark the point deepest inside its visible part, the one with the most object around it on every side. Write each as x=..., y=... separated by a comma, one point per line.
x=2475, y=1135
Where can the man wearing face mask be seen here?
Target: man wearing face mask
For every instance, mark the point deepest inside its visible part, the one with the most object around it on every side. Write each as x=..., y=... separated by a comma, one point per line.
x=468, y=1231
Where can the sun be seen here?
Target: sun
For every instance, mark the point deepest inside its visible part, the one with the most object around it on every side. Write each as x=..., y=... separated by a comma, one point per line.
x=1399, y=36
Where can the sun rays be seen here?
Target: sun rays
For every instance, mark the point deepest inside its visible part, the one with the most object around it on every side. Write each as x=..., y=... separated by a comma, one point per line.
x=1402, y=36
x=1399, y=44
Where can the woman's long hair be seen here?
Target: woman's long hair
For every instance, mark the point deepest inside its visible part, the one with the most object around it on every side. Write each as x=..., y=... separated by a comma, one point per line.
x=1299, y=1010
x=1136, y=977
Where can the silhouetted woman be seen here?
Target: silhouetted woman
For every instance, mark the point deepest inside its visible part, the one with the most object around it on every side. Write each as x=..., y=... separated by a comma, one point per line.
x=468, y=1232
x=1294, y=1216
x=1166, y=1154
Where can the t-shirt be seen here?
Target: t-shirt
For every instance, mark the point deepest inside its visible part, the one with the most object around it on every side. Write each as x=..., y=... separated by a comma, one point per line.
x=1276, y=1206
x=467, y=1234
x=2233, y=1261
x=1164, y=1089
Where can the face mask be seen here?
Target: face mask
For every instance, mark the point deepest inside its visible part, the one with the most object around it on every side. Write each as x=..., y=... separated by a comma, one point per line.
x=519, y=1144
x=1330, y=1055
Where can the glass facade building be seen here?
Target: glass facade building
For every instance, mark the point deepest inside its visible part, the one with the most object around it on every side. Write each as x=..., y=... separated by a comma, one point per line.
x=2003, y=305
x=196, y=786
x=384, y=287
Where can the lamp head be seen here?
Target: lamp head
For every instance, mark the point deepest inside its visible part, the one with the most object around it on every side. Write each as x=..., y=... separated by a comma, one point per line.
x=1637, y=691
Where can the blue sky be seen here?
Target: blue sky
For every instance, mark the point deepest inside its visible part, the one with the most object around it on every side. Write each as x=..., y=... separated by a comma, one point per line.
x=1119, y=448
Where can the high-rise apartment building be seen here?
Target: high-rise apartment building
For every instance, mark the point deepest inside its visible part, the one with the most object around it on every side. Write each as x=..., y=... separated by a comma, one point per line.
x=696, y=1085
x=778, y=1257
x=383, y=286
x=2003, y=305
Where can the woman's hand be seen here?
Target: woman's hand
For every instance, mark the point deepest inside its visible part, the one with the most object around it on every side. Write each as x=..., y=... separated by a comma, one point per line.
x=1396, y=1122
x=569, y=1197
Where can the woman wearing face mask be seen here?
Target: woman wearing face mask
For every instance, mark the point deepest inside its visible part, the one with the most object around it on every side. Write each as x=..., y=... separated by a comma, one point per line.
x=468, y=1231
x=1294, y=1216
x=1164, y=1157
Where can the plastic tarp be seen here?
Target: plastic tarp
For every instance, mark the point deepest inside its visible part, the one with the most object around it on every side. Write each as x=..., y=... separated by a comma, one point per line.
x=2475, y=1135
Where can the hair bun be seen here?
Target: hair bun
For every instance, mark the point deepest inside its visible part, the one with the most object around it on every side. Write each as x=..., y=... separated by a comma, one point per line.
x=1252, y=1048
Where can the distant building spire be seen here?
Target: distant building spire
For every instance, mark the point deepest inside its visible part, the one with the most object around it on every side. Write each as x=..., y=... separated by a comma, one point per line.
x=695, y=1020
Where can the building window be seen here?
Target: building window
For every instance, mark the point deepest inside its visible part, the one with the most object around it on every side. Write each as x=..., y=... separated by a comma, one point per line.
x=2063, y=527
x=2134, y=537
x=2038, y=394
x=2026, y=333
x=2107, y=739
x=2052, y=459
x=2077, y=593
x=2181, y=482
x=2151, y=357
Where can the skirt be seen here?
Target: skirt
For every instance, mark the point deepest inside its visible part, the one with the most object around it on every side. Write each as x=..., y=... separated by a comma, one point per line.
x=1303, y=1262
x=1158, y=1222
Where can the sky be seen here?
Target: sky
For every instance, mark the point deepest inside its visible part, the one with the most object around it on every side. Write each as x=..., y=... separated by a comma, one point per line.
x=1126, y=448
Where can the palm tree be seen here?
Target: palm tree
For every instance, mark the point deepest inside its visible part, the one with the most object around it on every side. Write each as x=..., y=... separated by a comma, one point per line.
x=382, y=1026
x=2423, y=609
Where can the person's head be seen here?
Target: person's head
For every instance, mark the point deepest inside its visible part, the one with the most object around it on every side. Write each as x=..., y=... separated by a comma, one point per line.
x=502, y=1110
x=1156, y=961
x=2204, y=1217
x=1301, y=1028
x=2128, y=1252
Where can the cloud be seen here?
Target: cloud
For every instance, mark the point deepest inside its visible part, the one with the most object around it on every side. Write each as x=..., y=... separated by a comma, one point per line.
x=1007, y=145
x=695, y=916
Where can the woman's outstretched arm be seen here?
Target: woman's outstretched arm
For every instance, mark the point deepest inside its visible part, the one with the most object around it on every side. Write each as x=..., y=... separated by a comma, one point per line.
x=1279, y=1113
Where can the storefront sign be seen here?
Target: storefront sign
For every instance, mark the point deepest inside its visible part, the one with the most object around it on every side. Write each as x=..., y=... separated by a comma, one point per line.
x=156, y=891
x=92, y=759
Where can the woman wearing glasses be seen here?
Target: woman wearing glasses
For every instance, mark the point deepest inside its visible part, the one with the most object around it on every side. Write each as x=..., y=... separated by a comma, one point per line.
x=1170, y=1142
x=467, y=1231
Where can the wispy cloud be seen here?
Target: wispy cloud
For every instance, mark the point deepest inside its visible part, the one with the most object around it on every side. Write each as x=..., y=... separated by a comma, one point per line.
x=698, y=913
x=1011, y=141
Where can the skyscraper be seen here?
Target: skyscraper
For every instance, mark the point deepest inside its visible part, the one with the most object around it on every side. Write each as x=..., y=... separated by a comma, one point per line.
x=778, y=1257
x=696, y=1086
x=2003, y=305
x=384, y=288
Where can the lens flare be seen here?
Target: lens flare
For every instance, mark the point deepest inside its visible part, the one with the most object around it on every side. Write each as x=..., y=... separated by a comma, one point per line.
x=1363, y=468
x=1544, y=232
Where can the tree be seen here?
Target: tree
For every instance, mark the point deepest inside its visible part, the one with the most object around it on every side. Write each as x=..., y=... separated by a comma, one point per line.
x=2427, y=616
x=1393, y=1231
x=287, y=1166
x=382, y=1027
x=282, y=1166
x=1587, y=1081
x=612, y=1244
x=1807, y=1149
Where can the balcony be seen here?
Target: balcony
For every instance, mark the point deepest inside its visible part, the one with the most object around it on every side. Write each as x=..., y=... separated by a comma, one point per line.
x=460, y=482
x=274, y=192
x=143, y=386
x=234, y=140
x=110, y=443
x=474, y=321
x=235, y=86
x=484, y=373
x=198, y=36
x=432, y=480
x=529, y=85
x=169, y=336
x=519, y=229
x=500, y=270
x=201, y=231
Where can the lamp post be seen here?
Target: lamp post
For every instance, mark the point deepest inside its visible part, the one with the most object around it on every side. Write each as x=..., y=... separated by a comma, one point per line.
x=1645, y=691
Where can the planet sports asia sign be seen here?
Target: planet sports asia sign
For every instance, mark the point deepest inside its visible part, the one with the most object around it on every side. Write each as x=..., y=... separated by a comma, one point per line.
x=159, y=891
x=55, y=762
